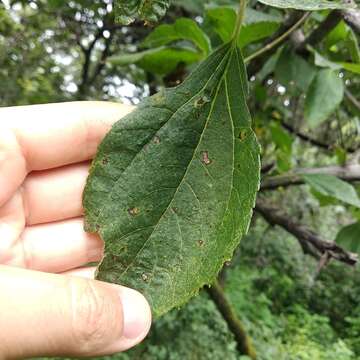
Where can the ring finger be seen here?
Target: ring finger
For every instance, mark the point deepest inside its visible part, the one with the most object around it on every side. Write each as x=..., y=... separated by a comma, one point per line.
x=55, y=247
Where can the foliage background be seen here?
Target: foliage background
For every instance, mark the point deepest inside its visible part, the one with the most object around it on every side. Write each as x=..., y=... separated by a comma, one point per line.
x=54, y=51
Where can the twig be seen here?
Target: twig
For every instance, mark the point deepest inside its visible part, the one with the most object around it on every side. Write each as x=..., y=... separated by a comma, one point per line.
x=305, y=137
x=306, y=236
x=349, y=173
x=101, y=63
x=316, y=36
x=267, y=168
x=275, y=43
x=352, y=18
x=243, y=341
x=239, y=19
x=87, y=62
x=352, y=99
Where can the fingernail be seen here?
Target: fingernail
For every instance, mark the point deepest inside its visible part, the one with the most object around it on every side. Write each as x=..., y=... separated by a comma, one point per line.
x=136, y=314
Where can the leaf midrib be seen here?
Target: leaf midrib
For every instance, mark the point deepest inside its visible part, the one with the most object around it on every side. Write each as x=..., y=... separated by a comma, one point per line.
x=187, y=169
x=166, y=122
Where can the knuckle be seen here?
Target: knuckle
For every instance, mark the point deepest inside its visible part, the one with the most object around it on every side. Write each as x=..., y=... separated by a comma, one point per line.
x=96, y=321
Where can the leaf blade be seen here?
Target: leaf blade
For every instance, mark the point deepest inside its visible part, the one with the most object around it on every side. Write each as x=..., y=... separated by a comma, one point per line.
x=349, y=237
x=182, y=29
x=334, y=187
x=180, y=221
x=324, y=95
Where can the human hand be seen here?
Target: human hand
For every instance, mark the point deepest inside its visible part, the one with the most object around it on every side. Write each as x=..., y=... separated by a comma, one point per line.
x=48, y=305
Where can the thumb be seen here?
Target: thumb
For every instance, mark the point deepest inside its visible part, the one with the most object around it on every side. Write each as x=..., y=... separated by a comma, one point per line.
x=55, y=315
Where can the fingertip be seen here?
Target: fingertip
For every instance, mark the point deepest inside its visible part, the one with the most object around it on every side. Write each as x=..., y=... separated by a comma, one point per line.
x=108, y=112
x=136, y=319
x=137, y=314
x=13, y=167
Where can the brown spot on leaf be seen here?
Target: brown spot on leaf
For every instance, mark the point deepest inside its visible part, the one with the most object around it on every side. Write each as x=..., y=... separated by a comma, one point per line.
x=202, y=101
x=205, y=158
x=105, y=161
x=134, y=211
x=145, y=277
x=156, y=140
x=242, y=134
x=200, y=242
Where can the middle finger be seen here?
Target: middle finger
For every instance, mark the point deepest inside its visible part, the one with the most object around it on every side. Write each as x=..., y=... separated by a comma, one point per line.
x=55, y=247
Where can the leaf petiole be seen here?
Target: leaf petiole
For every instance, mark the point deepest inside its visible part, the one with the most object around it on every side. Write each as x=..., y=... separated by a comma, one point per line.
x=239, y=20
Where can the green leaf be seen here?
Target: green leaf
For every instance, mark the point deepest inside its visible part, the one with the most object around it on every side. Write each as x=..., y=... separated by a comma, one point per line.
x=283, y=142
x=161, y=61
x=269, y=66
x=349, y=237
x=309, y=5
x=162, y=58
x=334, y=187
x=126, y=11
x=292, y=70
x=282, y=139
x=173, y=184
x=324, y=200
x=353, y=46
x=337, y=35
x=182, y=29
x=341, y=155
x=325, y=94
x=355, y=68
x=257, y=25
x=323, y=62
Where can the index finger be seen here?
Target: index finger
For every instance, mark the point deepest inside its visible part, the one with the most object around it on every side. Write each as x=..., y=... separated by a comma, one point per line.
x=41, y=137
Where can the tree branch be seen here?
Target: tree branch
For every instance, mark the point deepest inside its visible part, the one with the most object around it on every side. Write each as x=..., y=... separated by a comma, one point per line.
x=87, y=61
x=101, y=64
x=331, y=21
x=243, y=341
x=266, y=168
x=257, y=63
x=349, y=173
x=306, y=237
x=305, y=137
x=352, y=99
x=352, y=18
x=278, y=41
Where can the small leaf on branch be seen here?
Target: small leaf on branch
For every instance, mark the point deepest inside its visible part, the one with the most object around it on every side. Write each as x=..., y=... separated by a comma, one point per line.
x=325, y=94
x=182, y=29
x=349, y=237
x=162, y=60
x=334, y=187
